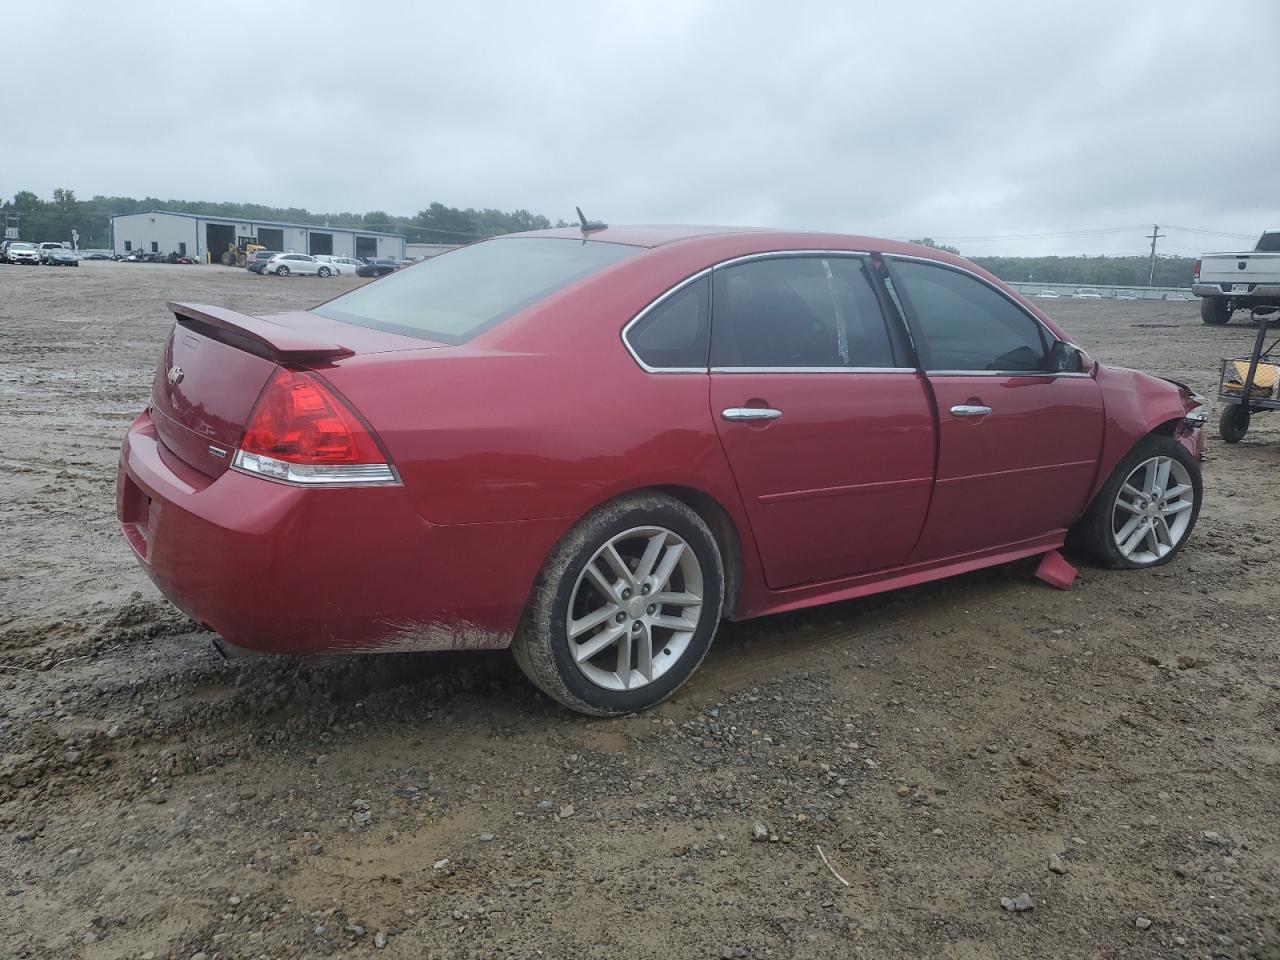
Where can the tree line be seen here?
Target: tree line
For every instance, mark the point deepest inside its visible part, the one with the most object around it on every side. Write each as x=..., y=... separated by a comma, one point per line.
x=54, y=219
x=1099, y=271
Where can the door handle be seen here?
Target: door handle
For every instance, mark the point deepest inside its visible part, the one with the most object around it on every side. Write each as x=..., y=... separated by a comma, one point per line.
x=969, y=410
x=750, y=413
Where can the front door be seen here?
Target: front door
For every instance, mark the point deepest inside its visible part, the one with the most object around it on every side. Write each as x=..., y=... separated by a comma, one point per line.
x=1018, y=443
x=827, y=427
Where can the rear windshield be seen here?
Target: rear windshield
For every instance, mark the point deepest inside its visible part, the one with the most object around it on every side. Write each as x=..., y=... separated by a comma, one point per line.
x=454, y=296
x=1269, y=242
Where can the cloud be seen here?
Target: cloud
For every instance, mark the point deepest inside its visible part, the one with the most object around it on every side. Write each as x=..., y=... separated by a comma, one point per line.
x=947, y=119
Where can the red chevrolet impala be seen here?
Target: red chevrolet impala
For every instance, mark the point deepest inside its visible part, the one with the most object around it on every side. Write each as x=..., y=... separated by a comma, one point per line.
x=593, y=445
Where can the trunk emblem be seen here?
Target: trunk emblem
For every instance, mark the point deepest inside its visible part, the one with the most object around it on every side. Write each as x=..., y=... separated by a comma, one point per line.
x=1241, y=265
x=174, y=375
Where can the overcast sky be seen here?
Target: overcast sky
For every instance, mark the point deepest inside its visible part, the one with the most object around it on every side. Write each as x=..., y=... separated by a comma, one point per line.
x=947, y=119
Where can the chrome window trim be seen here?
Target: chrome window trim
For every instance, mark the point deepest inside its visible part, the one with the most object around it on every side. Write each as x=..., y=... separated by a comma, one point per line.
x=1053, y=337
x=653, y=305
x=758, y=370
x=706, y=271
x=779, y=254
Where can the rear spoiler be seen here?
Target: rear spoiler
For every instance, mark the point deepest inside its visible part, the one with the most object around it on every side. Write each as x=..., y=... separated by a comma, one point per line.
x=275, y=341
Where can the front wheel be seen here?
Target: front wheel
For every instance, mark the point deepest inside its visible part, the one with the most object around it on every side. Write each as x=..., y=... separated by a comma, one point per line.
x=1146, y=510
x=1234, y=422
x=1215, y=311
x=322, y=272
x=625, y=607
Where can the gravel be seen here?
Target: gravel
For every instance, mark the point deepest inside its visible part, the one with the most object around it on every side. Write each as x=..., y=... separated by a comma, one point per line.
x=694, y=828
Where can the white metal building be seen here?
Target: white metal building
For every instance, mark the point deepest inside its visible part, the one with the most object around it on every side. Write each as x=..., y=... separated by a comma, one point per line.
x=206, y=238
x=420, y=251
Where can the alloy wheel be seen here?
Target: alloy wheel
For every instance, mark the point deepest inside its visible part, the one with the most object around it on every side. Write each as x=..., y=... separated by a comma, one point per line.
x=1153, y=510
x=634, y=608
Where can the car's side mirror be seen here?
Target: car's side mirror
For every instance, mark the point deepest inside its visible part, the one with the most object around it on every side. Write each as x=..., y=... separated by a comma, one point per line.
x=1066, y=358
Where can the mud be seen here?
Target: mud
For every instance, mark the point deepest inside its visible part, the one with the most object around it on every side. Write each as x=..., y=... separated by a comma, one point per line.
x=939, y=744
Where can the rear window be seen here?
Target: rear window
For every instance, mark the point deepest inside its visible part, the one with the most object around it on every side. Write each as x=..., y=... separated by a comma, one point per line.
x=1269, y=242
x=454, y=296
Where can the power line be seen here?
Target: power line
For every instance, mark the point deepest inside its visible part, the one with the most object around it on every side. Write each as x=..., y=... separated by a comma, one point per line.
x=1047, y=236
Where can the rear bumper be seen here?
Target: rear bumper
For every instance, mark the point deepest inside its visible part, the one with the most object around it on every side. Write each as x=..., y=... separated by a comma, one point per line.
x=278, y=568
x=1224, y=289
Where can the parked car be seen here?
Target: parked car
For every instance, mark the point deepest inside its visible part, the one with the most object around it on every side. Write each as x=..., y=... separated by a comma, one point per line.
x=257, y=262
x=18, y=251
x=95, y=255
x=1226, y=282
x=284, y=264
x=47, y=246
x=1086, y=293
x=61, y=257
x=1048, y=294
x=375, y=267
x=1173, y=296
x=1127, y=295
x=341, y=264
x=547, y=441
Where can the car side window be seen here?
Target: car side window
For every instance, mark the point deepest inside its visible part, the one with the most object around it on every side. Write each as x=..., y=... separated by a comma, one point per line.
x=798, y=311
x=674, y=333
x=961, y=323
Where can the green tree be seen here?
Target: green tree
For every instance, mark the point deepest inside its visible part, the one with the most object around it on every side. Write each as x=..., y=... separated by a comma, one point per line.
x=928, y=242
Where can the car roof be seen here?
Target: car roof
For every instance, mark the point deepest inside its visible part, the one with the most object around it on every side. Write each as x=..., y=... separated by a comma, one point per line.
x=643, y=235
x=742, y=239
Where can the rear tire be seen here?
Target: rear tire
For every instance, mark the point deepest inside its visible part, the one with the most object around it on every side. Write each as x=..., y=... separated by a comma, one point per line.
x=1233, y=424
x=616, y=616
x=1215, y=311
x=282, y=271
x=1113, y=521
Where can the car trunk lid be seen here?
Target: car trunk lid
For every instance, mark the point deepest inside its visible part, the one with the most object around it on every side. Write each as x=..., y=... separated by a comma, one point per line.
x=1240, y=268
x=216, y=362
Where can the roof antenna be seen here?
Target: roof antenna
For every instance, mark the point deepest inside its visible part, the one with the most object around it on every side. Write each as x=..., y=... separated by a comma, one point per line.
x=589, y=225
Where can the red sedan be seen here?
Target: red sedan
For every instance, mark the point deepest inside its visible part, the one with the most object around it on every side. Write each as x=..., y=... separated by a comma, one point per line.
x=592, y=446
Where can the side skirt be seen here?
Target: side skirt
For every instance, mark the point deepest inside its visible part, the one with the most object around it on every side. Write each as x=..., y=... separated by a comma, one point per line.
x=812, y=595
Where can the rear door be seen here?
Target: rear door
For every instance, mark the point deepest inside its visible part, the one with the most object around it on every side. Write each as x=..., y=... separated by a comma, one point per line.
x=827, y=426
x=1018, y=444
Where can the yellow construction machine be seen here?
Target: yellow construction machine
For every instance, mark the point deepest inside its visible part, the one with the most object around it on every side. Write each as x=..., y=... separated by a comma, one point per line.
x=238, y=253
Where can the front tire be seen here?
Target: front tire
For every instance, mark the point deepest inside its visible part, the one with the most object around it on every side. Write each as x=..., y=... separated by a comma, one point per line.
x=1215, y=311
x=625, y=607
x=1145, y=512
x=322, y=272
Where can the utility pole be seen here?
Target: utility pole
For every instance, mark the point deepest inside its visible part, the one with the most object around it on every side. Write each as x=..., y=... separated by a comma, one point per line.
x=1155, y=235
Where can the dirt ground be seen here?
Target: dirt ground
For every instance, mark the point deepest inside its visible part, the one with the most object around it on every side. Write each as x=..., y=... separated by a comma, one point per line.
x=941, y=745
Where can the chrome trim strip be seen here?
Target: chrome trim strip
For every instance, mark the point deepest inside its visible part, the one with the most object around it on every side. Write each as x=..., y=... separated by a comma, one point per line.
x=1039, y=374
x=813, y=370
x=780, y=254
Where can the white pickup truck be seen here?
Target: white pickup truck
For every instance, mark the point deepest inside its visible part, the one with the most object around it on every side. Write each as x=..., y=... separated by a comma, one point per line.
x=1226, y=282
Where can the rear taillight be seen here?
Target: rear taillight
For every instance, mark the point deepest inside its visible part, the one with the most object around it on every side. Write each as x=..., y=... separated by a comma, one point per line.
x=1196, y=272
x=300, y=431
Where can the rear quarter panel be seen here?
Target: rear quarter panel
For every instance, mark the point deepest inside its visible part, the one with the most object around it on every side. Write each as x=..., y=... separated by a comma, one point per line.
x=488, y=436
